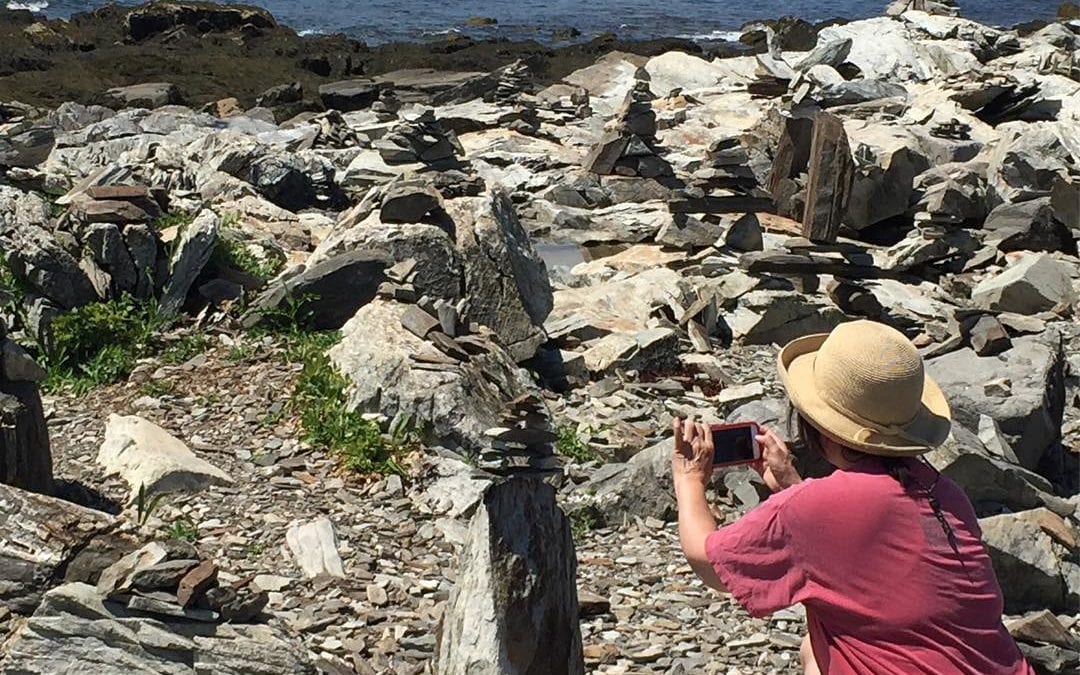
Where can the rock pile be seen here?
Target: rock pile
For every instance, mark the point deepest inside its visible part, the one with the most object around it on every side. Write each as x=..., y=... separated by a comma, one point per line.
x=25, y=457
x=628, y=148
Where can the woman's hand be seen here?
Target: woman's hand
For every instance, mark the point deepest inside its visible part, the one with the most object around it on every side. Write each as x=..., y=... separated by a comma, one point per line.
x=692, y=460
x=775, y=465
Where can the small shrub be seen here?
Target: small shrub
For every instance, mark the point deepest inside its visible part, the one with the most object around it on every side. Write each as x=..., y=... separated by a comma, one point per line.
x=182, y=529
x=156, y=388
x=145, y=505
x=326, y=422
x=231, y=253
x=99, y=343
x=583, y=521
x=569, y=444
x=186, y=348
x=242, y=351
x=173, y=219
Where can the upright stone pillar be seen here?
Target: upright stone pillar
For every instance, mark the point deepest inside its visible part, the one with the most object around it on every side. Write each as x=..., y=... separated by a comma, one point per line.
x=514, y=609
x=25, y=456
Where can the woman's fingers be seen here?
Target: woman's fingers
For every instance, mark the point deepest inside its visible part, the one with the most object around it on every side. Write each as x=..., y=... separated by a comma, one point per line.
x=689, y=431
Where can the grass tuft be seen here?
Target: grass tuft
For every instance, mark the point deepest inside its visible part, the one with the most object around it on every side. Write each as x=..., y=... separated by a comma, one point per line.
x=569, y=444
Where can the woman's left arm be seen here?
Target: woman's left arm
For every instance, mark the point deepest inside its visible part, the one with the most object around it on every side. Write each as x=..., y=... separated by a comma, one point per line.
x=691, y=468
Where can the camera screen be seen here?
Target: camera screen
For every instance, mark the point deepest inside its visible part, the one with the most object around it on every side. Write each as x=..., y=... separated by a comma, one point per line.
x=733, y=445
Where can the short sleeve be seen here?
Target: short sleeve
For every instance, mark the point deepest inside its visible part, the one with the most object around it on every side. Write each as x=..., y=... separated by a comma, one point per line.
x=757, y=561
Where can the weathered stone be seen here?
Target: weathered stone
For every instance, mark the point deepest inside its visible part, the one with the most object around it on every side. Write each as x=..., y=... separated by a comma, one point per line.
x=514, y=608
x=685, y=231
x=280, y=95
x=142, y=246
x=151, y=20
x=192, y=252
x=196, y=582
x=1034, y=284
x=1028, y=226
x=777, y=317
x=745, y=234
x=1030, y=417
x=75, y=631
x=393, y=372
x=284, y=180
x=25, y=455
x=991, y=482
x=117, y=578
x=164, y=576
x=350, y=95
x=314, y=547
x=1042, y=626
x=148, y=457
x=988, y=337
x=106, y=244
x=34, y=255
x=506, y=282
x=1028, y=160
x=146, y=95
x=408, y=203
x=23, y=144
x=601, y=159
x=237, y=604
x=33, y=556
x=1031, y=567
x=330, y=290
x=16, y=364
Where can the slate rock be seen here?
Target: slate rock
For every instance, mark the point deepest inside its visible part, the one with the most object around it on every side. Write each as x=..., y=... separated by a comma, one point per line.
x=1035, y=284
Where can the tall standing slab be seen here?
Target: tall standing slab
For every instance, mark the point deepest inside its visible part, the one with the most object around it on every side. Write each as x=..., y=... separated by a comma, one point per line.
x=514, y=609
x=832, y=172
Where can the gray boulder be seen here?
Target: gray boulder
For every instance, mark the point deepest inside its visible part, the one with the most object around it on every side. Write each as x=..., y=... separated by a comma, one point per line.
x=1028, y=226
x=1028, y=160
x=514, y=607
x=506, y=282
x=991, y=482
x=394, y=372
x=35, y=256
x=75, y=630
x=437, y=270
x=284, y=180
x=1034, y=561
x=329, y=291
x=777, y=317
x=1029, y=403
x=408, y=203
x=193, y=251
x=350, y=95
x=1034, y=284
x=147, y=95
x=24, y=144
x=107, y=246
x=685, y=231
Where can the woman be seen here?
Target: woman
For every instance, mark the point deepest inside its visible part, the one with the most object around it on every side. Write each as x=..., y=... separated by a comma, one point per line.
x=885, y=553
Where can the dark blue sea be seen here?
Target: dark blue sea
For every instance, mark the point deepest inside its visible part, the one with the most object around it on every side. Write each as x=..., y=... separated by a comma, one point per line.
x=378, y=21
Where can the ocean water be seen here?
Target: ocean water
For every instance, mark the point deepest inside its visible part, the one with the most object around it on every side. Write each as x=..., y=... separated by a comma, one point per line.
x=379, y=21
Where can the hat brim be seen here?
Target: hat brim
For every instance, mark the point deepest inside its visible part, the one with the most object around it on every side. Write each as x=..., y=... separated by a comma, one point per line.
x=931, y=425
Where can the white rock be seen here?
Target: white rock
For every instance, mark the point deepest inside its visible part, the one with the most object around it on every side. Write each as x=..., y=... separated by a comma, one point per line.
x=1035, y=284
x=314, y=547
x=678, y=70
x=144, y=454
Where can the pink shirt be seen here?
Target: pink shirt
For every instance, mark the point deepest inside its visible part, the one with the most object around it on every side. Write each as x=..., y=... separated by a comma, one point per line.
x=884, y=591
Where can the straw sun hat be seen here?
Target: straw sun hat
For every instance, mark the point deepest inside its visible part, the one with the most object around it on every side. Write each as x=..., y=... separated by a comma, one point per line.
x=864, y=386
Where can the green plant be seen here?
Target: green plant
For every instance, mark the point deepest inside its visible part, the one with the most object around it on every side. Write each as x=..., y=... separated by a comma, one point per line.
x=242, y=351
x=182, y=529
x=186, y=348
x=173, y=219
x=145, y=505
x=326, y=422
x=99, y=343
x=156, y=388
x=230, y=252
x=569, y=444
x=583, y=521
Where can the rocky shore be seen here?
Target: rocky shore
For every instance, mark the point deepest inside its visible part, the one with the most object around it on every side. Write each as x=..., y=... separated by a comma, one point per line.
x=310, y=362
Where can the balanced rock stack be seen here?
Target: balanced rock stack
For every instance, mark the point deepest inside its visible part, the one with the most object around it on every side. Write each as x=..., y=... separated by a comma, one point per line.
x=114, y=223
x=628, y=148
x=419, y=138
x=513, y=80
